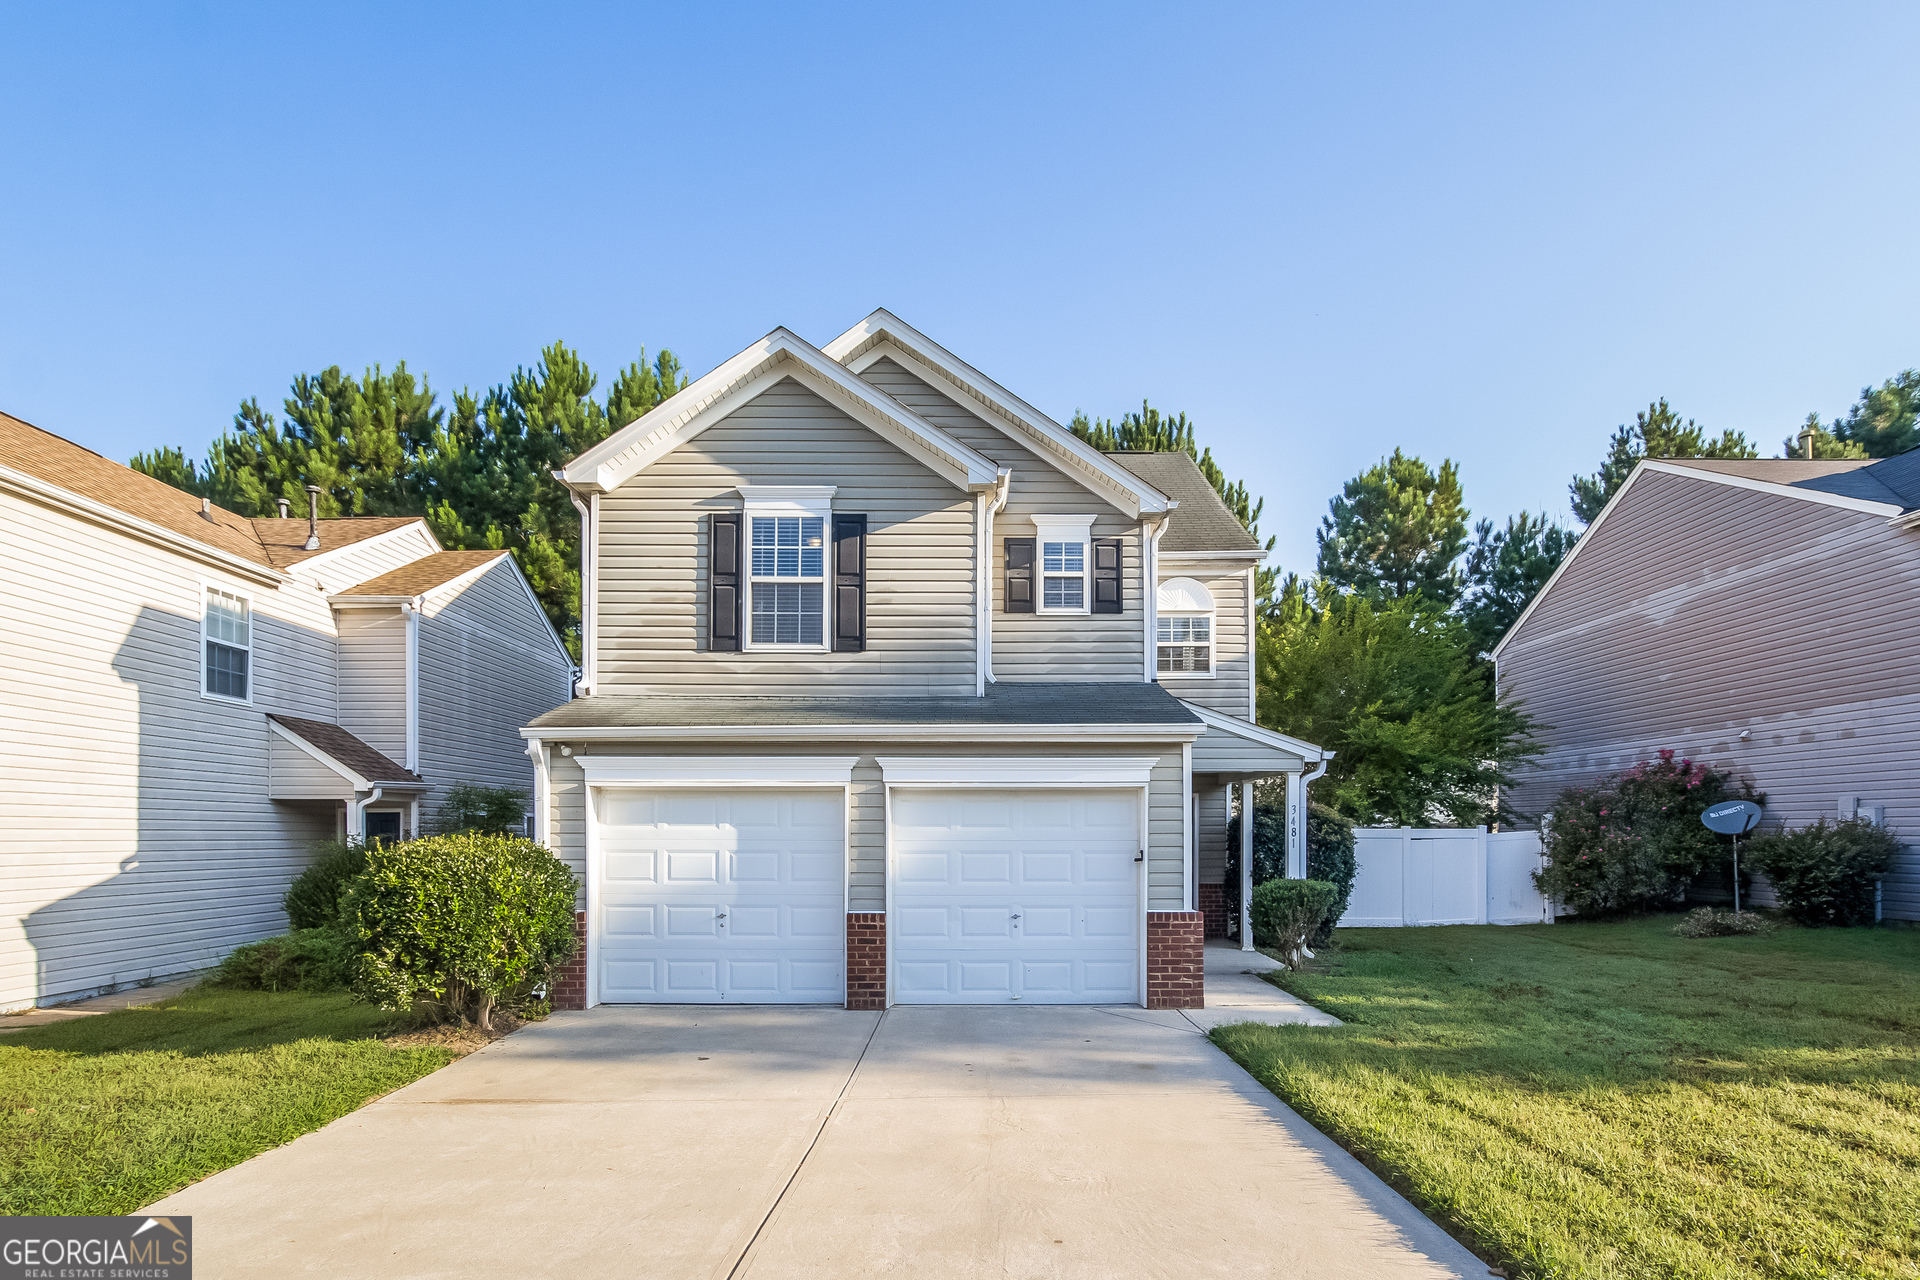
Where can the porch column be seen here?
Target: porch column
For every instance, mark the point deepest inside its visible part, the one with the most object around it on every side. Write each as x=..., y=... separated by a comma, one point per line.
x=1246, y=866
x=1296, y=827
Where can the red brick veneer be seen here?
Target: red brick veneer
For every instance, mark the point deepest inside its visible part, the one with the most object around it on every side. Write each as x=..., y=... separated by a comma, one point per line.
x=866, y=960
x=1176, y=960
x=570, y=980
x=1213, y=906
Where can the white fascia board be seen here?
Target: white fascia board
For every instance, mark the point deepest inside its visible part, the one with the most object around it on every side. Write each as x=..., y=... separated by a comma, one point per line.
x=453, y=587
x=1032, y=771
x=391, y=535
x=359, y=783
x=1645, y=467
x=1249, y=557
x=717, y=771
x=781, y=354
x=1307, y=751
x=875, y=733
x=37, y=490
x=868, y=341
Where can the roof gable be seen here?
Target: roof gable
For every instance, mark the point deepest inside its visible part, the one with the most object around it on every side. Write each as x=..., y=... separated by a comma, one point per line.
x=779, y=355
x=1203, y=521
x=883, y=335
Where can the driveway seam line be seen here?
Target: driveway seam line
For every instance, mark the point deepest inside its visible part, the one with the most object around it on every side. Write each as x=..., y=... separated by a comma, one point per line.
x=802, y=1163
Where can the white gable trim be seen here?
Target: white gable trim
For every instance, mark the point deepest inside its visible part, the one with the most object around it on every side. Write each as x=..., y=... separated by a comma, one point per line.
x=327, y=554
x=359, y=783
x=1645, y=466
x=526, y=590
x=781, y=354
x=883, y=334
x=1254, y=733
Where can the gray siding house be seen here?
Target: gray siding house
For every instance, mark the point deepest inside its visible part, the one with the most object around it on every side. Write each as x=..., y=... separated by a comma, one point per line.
x=1759, y=615
x=191, y=699
x=896, y=691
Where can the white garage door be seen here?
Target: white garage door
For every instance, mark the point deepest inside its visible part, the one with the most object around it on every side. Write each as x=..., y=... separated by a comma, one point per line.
x=1016, y=895
x=722, y=896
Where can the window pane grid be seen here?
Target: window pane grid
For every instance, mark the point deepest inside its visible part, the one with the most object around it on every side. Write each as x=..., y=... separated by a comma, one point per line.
x=1186, y=657
x=789, y=546
x=788, y=613
x=1063, y=557
x=1185, y=630
x=227, y=627
x=1064, y=593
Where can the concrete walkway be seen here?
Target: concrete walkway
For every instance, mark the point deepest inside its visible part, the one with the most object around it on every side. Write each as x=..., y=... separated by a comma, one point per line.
x=1237, y=993
x=812, y=1142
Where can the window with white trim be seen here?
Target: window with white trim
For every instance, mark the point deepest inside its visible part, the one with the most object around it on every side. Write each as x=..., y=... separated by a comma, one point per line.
x=1064, y=560
x=226, y=637
x=786, y=535
x=1183, y=629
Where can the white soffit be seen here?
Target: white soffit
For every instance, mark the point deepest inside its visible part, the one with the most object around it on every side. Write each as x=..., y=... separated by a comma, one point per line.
x=883, y=334
x=717, y=771
x=1031, y=771
x=781, y=354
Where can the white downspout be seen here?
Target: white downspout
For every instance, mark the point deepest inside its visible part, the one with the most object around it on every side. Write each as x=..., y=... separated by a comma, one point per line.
x=1297, y=819
x=983, y=582
x=1150, y=591
x=541, y=787
x=589, y=666
x=357, y=811
x=411, y=612
x=1246, y=866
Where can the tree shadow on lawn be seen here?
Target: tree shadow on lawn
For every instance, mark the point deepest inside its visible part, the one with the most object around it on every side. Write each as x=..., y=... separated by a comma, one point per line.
x=210, y=1020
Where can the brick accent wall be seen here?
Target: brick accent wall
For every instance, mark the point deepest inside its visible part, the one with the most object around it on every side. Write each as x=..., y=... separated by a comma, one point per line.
x=1176, y=960
x=866, y=960
x=1213, y=908
x=570, y=983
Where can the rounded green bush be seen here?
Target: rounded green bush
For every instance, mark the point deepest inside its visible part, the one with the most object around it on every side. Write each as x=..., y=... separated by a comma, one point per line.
x=1287, y=914
x=313, y=900
x=456, y=924
x=1330, y=857
x=1825, y=873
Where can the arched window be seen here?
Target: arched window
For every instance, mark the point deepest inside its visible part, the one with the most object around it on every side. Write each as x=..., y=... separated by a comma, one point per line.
x=1184, y=630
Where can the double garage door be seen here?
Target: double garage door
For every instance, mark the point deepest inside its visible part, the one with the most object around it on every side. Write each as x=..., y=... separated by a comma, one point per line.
x=739, y=897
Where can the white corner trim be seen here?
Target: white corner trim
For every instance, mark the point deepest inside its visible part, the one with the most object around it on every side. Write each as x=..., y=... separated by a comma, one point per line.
x=781, y=354
x=1307, y=751
x=716, y=771
x=411, y=611
x=1032, y=771
x=359, y=783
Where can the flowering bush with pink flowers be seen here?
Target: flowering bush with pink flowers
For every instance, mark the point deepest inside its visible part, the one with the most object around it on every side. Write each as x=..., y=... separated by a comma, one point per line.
x=1634, y=841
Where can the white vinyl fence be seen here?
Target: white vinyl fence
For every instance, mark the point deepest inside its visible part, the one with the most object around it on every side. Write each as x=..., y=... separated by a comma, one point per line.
x=1414, y=875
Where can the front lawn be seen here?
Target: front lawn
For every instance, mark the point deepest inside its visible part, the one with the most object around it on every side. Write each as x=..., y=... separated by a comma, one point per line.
x=1607, y=1100
x=103, y=1115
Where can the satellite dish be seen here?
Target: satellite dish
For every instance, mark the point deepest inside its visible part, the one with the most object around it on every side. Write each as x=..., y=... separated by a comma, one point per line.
x=1732, y=817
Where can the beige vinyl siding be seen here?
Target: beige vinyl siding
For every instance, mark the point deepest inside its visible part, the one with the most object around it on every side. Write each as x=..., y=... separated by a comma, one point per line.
x=294, y=774
x=867, y=850
x=1227, y=690
x=654, y=556
x=373, y=679
x=136, y=830
x=1218, y=751
x=1215, y=806
x=335, y=571
x=1036, y=646
x=487, y=666
x=1697, y=610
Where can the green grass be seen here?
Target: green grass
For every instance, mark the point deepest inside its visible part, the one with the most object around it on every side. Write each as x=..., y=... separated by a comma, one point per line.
x=103, y=1115
x=1607, y=1100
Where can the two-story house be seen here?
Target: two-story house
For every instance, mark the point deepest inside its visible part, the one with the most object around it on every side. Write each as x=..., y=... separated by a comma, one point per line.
x=191, y=699
x=894, y=690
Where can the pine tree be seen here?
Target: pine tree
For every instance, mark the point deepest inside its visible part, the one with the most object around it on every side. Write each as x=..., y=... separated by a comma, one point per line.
x=1656, y=433
x=1885, y=421
x=1395, y=531
x=1505, y=569
x=1826, y=446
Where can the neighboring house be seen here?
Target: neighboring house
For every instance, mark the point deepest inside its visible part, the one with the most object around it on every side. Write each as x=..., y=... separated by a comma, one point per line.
x=191, y=699
x=1760, y=616
x=896, y=691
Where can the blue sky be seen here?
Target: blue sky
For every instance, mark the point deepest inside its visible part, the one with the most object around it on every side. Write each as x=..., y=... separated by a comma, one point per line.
x=1481, y=232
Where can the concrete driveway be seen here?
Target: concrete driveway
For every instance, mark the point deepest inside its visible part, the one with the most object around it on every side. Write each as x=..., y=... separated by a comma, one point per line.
x=812, y=1142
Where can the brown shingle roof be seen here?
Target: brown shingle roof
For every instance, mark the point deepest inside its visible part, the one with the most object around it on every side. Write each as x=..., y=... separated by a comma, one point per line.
x=423, y=574
x=348, y=750
x=1203, y=522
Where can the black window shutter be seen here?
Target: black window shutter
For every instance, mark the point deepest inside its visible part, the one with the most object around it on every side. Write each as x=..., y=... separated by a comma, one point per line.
x=849, y=583
x=1106, y=575
x=1019, y=585
x=723, y=584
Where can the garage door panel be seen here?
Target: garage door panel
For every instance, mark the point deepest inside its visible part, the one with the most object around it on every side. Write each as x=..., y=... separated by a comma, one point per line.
x=1020, y=896
x=749, y=904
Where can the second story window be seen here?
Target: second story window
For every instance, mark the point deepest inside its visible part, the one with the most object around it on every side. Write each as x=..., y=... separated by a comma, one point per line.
x=787, y=601
x=1063, y=547
x=226, y=635
x=1183, y=631
x=789, y=579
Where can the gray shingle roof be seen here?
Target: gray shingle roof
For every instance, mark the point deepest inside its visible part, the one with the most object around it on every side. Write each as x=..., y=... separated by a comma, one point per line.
x=1005, y=704
x=349, y=751
x=1892, y=480
x=1203, y=522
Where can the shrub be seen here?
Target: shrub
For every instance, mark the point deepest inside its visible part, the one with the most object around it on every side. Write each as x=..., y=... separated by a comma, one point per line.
x=1635, y=841
x=1825, y=873
x=1705, y=922
x=455, y=924
x=1330, y=858
x=470, y=807
x=313, y=900
x=304, y=960
x=1287, y=913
